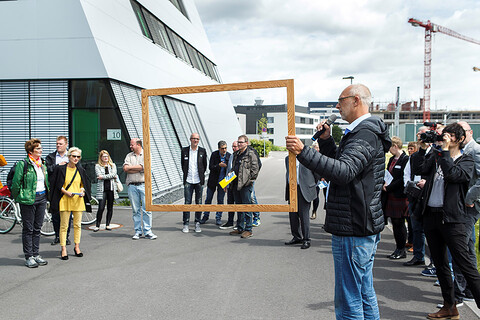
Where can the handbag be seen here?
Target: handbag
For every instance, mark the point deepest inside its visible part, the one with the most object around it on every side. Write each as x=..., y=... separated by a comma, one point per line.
x=119, y=184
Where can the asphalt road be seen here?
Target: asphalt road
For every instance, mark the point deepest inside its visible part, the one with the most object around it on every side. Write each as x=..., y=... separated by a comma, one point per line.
x=208, y=275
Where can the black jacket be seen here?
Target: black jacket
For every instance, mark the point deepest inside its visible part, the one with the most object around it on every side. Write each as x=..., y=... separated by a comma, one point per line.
x=50, y=162
x=397, y=185
x=201, y=163
x=355, y=170
x=456, y=176
x=58, y=182
x=215, y=169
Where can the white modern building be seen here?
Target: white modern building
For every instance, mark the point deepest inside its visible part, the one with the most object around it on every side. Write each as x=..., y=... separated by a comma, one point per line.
x=76, y=68
x=277, y=125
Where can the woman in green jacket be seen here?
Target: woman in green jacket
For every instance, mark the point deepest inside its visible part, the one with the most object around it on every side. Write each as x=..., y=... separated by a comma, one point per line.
x=30, y=191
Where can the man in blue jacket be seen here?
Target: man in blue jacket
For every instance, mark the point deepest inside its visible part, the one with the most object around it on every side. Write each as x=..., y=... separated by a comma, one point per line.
x=354, y=214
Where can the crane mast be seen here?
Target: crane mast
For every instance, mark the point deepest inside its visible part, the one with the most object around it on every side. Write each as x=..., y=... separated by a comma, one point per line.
x=429, y=29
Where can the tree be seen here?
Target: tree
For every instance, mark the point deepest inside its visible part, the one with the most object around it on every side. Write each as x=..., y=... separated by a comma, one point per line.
x=261, y=123
x=337, y=133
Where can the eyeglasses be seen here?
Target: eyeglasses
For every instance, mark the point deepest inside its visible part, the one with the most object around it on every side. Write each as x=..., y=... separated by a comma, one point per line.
x=74, y=156
x=194, y=138
x=343, y=98
x=241, y=142
x=224, y=148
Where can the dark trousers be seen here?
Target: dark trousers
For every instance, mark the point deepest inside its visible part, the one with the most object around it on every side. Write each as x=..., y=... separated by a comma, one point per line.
x=243, y=196
x=56, y=224
x=230, y=200
x=300, y=221
x=107, y=199
x=220, y=199
x=316, y=201
x=409, y=230
x=460, y=283
x=418, y=239
x=454, y=236
x=188, y=191
x=399, y=232
x=32, y=219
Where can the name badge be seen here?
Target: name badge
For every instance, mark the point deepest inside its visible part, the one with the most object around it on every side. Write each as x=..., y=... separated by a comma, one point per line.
x=398, y=167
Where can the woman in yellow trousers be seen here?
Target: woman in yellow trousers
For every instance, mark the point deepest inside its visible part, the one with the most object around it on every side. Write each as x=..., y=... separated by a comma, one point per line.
x=71, y=195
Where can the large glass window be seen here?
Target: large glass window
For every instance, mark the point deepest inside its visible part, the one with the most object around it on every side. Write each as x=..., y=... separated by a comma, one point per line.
x=97, y=125
x=141, y=19
x=180, y=7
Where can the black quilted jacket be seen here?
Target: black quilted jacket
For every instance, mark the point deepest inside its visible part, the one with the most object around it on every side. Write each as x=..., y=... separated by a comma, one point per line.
x=355, y=170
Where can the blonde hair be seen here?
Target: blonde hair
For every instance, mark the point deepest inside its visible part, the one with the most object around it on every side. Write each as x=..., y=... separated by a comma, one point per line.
x=100, y=154
x=397, y=141
x=72, y=149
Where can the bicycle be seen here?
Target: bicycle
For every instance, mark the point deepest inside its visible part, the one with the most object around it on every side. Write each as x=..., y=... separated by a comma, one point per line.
x=90, y=217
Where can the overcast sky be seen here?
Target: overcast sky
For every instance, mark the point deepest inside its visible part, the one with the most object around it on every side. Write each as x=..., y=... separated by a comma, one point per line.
x=317, y=42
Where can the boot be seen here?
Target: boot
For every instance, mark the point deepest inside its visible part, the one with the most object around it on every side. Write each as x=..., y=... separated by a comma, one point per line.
x=445, y=313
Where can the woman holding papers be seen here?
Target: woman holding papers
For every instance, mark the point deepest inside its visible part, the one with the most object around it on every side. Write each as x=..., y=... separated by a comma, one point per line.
x=71, y=194
x=396, y=204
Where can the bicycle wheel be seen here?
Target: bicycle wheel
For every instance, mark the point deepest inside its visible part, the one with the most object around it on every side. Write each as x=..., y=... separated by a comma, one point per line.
x=90, y=217
x=47, y=226
x=7, y=214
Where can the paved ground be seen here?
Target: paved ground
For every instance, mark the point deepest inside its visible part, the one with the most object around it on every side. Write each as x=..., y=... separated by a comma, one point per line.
x=209, y=275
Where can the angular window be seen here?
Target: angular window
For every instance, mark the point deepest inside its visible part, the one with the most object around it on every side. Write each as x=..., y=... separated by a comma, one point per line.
x=141, y=19
x=179, y=5
x=178, y=46
x=158, y=31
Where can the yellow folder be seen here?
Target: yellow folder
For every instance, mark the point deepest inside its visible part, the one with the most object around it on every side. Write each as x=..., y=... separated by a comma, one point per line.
x=229, y=178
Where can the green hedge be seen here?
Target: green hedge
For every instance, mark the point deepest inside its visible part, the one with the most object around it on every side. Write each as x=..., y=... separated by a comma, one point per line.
x=258, y=145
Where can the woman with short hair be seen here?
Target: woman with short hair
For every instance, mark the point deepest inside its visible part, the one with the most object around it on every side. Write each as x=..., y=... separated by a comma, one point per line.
x=71, y=194
x=30, y=190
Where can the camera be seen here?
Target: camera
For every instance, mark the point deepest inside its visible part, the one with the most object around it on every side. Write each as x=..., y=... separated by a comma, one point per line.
x=412, y=190
x=431, y=136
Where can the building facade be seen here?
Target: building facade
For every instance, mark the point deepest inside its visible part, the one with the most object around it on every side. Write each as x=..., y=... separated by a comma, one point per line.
x=76, y=68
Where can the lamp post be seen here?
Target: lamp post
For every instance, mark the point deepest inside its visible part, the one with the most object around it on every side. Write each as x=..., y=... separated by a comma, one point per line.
x=349, y=77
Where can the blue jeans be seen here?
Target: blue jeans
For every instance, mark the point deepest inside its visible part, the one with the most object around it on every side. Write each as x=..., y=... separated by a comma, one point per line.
x=355, y=297
x=244, y=196
x=256, y=215
x=418, y=239
x=188, y=190
x=136, y=194
x=220, y=197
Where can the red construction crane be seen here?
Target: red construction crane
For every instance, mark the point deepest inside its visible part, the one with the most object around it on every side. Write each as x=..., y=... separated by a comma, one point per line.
x=429, y=29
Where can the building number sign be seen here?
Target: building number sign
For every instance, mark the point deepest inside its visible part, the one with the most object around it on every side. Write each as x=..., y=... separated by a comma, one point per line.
x=114, y=134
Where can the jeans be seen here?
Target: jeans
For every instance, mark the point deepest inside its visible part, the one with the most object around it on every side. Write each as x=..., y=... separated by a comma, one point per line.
x=230, y=200
x=244, y=196
x=220, y=197
x=353, y=257
x=32, y=217
x=188, y=190
x=136, y=194
x=256, y=215
x=418, y=239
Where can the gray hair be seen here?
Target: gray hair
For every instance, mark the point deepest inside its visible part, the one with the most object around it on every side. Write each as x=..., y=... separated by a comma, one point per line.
x=362, y=92
x=73, y=149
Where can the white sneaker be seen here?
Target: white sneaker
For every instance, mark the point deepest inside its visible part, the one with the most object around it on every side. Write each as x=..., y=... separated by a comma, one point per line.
x=151, y=236
x=197, y=227
x=96, y=229
x=185, y=228
x=136, y=236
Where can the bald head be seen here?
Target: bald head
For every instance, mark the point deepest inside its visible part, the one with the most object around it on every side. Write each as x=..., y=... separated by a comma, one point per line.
x=354, y=102
x=468, y=131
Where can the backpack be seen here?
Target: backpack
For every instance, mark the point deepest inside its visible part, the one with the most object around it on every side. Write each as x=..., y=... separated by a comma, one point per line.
x=11, y=173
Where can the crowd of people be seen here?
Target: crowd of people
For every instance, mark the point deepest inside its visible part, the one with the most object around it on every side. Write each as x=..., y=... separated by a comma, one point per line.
x=435, y=188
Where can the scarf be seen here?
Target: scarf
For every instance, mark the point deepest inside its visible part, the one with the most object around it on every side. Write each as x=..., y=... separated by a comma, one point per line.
x=37, y=162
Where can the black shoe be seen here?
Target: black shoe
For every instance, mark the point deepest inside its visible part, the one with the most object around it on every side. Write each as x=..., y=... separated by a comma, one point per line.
x=394, y=253
x=80, y=254
x=55, y=241
x=64, y=257
x=204, y=219
x=402, y=254
x=68, y=242
x=305, y=245
x=293, y=241
x=414, y=262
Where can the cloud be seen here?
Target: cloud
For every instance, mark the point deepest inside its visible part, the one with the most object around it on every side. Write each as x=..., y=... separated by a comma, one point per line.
x=319, y=42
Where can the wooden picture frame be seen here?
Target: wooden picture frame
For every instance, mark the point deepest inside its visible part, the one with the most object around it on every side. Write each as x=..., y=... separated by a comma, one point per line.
x=288, y=84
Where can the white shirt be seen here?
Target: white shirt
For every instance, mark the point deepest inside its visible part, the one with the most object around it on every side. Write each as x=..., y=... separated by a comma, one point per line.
x=192, y=176
x=40, y=178
x=59, y=159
